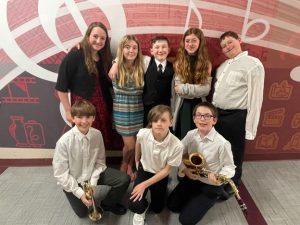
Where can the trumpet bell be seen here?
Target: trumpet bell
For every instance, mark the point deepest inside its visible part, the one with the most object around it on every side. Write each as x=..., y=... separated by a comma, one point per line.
x=95, y=214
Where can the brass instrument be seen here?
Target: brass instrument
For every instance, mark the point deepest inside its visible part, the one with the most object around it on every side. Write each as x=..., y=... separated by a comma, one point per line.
x=95, y=212
x=196, y=161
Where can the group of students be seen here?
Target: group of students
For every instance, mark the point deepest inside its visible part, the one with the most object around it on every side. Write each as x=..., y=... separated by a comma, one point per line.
x=144, y=89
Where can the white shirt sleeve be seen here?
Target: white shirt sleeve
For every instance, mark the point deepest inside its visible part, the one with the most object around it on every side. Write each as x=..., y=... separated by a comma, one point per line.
x=185, y=141
x=226, y=158
x=255, y=99
x=61, y=170
x=100, y=164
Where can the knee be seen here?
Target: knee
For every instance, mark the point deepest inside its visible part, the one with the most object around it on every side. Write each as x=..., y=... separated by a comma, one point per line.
x=186, y=219
x=157, y=209
x=124, y=179
x=172, y=205
x=81, y=214
x=138, y=206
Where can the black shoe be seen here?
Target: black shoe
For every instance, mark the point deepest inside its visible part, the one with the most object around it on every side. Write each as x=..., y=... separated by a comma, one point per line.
x=117, y=209
x=227, y=192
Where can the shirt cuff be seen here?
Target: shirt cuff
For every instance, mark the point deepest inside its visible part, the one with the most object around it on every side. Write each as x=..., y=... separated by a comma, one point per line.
x=78, y=193
x=180, y=170
x=249, y=136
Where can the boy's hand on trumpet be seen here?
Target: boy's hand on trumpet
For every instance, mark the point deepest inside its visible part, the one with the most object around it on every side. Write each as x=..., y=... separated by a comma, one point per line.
x=86, y=199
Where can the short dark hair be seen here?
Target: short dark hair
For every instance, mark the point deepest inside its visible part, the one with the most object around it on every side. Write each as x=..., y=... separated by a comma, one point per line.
x=208, y=105
x=229, y=34
x=159, y=38
x=156, y=112
x=83, y=108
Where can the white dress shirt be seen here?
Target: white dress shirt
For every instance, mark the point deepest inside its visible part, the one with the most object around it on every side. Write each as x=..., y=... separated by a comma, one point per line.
x=215, y=149
x=156, y=155
x=78, y=158
x=240, y=85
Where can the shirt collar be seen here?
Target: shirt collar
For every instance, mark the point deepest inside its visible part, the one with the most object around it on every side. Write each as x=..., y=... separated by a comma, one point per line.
x=164, y=63
x=242, y=54
x=80, y=135
x=164, y=143
x=210, y=136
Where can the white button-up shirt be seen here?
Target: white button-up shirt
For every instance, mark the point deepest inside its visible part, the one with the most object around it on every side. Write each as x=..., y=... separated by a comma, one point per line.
x=240, y=85
x=215, y=149
x=78, y=158
x=156, y=155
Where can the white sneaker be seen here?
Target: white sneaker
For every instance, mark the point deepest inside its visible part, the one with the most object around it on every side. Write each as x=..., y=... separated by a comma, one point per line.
x=139, y=219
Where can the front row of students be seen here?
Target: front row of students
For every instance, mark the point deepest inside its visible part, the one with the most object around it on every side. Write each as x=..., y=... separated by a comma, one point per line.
x=80, y=156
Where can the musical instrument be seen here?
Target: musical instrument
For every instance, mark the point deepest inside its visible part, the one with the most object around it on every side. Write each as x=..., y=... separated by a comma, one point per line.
x=196, y=161
x=95, y=212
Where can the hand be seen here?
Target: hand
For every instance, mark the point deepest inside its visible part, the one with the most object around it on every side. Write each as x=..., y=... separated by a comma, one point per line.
x=177, y=88
x=212, y=178
x=113, y=71
x=69, y=117
x=190, y=173
x=138, y=192
x=86, y=201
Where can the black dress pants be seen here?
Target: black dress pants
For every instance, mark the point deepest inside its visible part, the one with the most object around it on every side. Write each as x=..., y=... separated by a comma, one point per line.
x=231, y=125
x=158, y=193
x=192, y=199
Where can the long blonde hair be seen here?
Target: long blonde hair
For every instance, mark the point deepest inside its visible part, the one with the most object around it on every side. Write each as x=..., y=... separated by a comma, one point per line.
x=182, y=66
x=104, y=53
x=138, y=64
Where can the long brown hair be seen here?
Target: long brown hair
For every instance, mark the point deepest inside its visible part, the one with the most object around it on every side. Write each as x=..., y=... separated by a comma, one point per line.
x=182, y=64
x=138, y=64
x=104, y=53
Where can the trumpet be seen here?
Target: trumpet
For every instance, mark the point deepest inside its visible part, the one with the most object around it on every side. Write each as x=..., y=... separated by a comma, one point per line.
x=95, y=212
x=196, y=161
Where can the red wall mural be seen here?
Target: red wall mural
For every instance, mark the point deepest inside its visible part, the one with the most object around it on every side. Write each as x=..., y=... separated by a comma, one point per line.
x=35, y=35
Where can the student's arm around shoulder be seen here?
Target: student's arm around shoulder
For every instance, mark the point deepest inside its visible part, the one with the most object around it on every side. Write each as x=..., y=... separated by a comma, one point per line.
x=100, y=164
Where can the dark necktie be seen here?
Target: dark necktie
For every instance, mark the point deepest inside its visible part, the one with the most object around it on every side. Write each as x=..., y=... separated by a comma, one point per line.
x=160, y=72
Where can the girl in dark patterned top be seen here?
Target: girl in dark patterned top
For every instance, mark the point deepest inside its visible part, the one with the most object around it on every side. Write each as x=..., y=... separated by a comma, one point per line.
x=83, y=73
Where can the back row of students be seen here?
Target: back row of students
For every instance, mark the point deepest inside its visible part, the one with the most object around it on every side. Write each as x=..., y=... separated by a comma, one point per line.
x=140, y=83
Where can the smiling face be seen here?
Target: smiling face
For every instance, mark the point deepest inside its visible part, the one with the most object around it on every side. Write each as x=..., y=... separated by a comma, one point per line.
x=231, y=47
x=160, y=50
x=191, y=44
x=97, y=38
x=130, y=50
x=83, y=123
x=204, y=120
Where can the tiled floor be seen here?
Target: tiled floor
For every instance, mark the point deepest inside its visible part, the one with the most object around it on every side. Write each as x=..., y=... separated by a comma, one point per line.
x=29, y=195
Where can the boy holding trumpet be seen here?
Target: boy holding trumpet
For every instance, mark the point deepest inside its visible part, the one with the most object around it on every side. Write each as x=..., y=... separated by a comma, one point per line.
x=79, y=157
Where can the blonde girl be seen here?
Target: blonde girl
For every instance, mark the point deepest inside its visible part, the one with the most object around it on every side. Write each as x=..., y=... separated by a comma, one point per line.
x=127, y=102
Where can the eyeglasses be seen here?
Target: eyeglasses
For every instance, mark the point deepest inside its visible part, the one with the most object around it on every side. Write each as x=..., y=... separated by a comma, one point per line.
x=204, y=116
